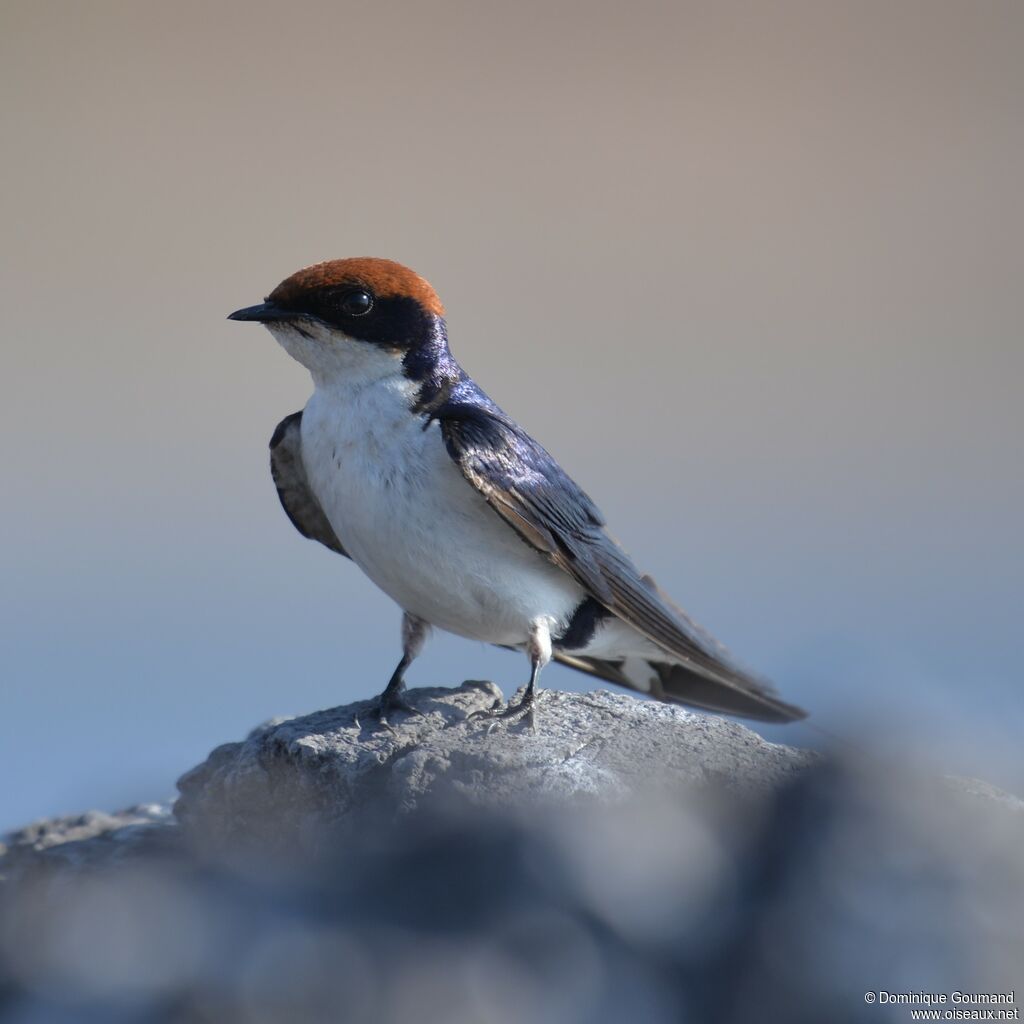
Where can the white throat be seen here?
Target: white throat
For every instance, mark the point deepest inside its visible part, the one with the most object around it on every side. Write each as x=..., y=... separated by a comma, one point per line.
x=333, y=358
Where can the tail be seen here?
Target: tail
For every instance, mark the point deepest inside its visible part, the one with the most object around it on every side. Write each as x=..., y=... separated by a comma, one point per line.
x=731, y=693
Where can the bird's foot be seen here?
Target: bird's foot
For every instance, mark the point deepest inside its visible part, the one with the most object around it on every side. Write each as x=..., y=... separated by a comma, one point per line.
x=389, y=702
x=524, y=711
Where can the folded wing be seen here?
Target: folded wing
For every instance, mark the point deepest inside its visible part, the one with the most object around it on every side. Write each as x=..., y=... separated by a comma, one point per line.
x=297, y=498
x=525, y=486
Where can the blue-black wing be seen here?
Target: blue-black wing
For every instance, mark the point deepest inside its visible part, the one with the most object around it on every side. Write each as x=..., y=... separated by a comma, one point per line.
x=528, y=488
x=297, y=498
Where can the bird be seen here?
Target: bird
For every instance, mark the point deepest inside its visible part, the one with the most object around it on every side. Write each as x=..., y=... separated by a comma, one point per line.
x=403, y=464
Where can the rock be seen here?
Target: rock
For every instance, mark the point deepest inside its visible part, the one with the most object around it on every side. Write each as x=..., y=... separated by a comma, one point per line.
x=291, y=778
x=89, y=839
x=629, y=861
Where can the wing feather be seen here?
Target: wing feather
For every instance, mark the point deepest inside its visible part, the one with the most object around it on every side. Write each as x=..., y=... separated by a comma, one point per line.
x=525, y=485
x=679, y=684
x=297, y=498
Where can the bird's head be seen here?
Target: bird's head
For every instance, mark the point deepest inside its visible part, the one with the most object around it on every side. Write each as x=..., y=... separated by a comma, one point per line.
x=354, y=316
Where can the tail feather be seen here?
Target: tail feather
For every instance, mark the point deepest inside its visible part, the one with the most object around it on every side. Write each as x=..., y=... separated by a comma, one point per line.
x=744, y=696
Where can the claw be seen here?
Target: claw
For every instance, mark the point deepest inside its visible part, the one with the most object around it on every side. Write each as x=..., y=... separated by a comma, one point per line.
x=511, y=713
x=495, y=709
x=392, y=702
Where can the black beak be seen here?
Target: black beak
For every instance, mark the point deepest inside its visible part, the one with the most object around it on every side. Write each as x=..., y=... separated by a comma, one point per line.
x=265, y=312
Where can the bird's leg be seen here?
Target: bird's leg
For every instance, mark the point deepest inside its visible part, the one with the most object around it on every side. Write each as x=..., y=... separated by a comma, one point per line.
x=525, y=708
x=538, y=648
x=414, y=636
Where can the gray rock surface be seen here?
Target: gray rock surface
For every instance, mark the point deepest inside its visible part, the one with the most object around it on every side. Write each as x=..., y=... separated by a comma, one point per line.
x=629, y=861
x=85, y=840
x=292, y=777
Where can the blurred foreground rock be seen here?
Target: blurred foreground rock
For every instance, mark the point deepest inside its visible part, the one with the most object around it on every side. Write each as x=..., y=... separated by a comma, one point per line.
x=629, y=861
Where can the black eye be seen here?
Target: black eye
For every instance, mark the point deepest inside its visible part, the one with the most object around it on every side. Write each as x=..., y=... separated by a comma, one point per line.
x=357, y=303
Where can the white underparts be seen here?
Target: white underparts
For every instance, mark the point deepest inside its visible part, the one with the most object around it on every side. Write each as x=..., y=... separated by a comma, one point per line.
x=410, y=520
x=403, y=510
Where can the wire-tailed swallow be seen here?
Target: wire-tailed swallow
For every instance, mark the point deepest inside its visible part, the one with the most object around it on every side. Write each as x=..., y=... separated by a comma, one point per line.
x=402, y=463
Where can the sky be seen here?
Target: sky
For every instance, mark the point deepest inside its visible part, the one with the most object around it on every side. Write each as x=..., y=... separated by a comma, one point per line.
x=752, y=273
